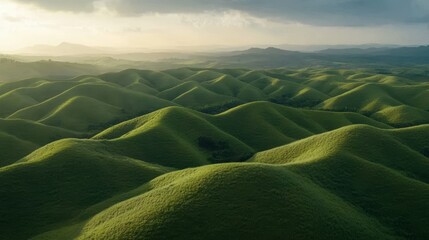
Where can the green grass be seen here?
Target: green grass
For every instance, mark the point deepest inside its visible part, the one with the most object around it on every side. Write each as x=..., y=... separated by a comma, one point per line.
x=130, y=155
x=156, y=80
x=49, y=187
x=391, y=98
x=230, y=86
x=234, y=201
x=13, y=70
x=13, y=148
x=21, y=137
x=277, y=125
x=383, y=172
x=94, y=103
x=138, y=150
x=264, y=125
x=356, y=182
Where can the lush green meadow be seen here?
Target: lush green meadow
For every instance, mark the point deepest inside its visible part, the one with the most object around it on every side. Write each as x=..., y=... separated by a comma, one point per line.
x=314, y=153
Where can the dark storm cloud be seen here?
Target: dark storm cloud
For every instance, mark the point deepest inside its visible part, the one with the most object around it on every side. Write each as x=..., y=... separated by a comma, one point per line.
x=315, y=12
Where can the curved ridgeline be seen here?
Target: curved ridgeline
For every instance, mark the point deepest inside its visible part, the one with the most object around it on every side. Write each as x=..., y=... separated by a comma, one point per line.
x=216, y=153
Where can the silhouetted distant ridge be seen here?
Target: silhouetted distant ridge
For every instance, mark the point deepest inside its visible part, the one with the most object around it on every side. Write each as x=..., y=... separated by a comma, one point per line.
x=269, y=50
x=400, y=52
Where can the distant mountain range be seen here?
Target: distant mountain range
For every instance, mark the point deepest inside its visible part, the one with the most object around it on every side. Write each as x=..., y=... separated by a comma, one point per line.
x=316, y=48
x=66, y=49
x=68, y=60
x=401, y=51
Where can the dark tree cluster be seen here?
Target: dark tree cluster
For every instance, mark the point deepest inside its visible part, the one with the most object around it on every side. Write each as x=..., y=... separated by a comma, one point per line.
x=221, y=151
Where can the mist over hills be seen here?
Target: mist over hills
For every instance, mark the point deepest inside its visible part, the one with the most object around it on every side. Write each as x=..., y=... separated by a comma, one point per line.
x=71, y=60
x=16, y=70
x=60, y=50
x=66, y=48
x=399, y=51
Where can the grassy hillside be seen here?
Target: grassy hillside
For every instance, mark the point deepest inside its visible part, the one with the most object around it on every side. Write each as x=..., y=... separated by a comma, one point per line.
x=390, y=97
x=277, y=125
x=20, y=137
x=333, y=190
x=138, y=150
x=379, y=171
x=191, y=153
x=12, y=70
x=90, y=104
x=388, y=103
x=58, y=181
x=13, y=148
x=327, y=186
x=159, y=138
x=253, y=201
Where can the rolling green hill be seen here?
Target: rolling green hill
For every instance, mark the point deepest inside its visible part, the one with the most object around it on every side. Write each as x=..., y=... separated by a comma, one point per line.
x=234, y=201
x=389, y=97
x=143, y=148
x=323, y=187
x=89, y=104
x=20, y=137
x=277, y=125
x=379, y=171
x=13, y=148
x=190, y=153
x=52, y=186
x=12, y=70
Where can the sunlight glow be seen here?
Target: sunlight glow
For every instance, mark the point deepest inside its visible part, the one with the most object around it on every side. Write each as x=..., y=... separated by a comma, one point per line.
x=25, y=25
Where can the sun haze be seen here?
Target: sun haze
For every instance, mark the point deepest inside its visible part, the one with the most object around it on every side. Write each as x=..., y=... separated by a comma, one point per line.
x=169, y=24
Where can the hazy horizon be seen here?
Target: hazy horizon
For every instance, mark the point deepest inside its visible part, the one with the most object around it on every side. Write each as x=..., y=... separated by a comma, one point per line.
x=111, y=50
x=192, y=24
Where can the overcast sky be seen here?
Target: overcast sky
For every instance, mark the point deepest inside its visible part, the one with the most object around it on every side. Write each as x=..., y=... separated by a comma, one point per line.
x=161, y=24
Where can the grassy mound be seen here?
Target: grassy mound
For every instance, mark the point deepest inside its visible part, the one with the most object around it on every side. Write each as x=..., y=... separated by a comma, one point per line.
x=13, y=148
x=114, y=103
x=402, y=115
x=376, y=170
x=232, y=201
x=155, y=80
x=21, y=137
x=57, y=182
x=277, y=125
x=159, y=137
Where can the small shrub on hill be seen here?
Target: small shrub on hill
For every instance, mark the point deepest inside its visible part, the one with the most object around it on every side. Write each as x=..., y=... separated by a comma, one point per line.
x=221, y=152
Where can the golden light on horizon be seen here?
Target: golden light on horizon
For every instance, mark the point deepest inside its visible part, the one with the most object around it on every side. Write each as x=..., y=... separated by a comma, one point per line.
x=24, y=25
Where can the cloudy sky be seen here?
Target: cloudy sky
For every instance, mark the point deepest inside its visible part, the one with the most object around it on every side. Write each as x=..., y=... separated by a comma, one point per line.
x=166, y=24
